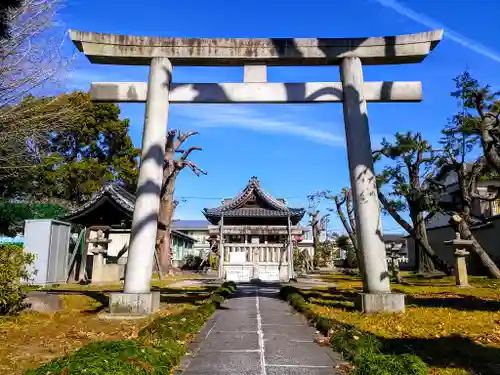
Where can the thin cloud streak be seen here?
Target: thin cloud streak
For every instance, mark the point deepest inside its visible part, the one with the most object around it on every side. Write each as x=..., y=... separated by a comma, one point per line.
x=450, y=34
x=246, y=118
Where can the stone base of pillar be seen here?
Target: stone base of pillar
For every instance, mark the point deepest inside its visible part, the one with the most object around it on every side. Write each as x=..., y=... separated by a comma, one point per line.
x=133, y=304
x=370, y=303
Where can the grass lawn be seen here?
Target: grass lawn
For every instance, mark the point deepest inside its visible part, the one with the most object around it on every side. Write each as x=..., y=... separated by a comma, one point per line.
x=31, y=339
x=455, y=331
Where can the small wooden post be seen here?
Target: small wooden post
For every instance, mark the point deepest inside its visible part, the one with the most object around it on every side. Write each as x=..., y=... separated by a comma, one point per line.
x=290, y=251
x=220, y=271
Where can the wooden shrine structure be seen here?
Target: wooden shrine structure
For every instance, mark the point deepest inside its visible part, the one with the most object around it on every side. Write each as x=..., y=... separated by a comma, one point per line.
x=255, y=235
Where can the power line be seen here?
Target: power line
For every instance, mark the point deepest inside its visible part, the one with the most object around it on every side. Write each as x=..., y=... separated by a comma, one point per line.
x=219, y=198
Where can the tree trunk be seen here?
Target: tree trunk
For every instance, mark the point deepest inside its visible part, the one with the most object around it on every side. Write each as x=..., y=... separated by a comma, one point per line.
x=166, y=215
x=460, y=225
x=441, y=264
x=350, y=227
x=489, y=146
x=424, y=261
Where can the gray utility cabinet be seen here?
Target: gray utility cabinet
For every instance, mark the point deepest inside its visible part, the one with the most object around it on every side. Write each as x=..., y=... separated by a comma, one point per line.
x=49, y=241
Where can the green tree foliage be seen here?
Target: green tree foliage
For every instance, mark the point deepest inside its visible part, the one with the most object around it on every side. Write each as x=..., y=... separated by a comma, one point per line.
x=344, y=243
x=96, y=150
x=76, y=160
x=479, y=118
x=412, y=165
x=15, y=264
x=458, y=158
x=13, y=215
x=26, y=129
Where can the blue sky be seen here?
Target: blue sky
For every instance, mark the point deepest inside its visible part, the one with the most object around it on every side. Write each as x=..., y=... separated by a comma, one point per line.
x=295, y=150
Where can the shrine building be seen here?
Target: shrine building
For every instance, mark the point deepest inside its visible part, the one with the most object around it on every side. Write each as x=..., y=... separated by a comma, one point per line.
x=255, y=234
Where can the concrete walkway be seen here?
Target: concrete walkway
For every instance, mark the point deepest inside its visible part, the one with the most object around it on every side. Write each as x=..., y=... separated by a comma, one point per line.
x=255, y=333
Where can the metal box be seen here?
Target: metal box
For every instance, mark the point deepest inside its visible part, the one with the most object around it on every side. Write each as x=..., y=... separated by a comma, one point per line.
x=49, y=241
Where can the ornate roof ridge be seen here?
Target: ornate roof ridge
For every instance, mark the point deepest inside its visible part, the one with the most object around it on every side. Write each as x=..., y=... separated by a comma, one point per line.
x=120, y=195
x=252, y=186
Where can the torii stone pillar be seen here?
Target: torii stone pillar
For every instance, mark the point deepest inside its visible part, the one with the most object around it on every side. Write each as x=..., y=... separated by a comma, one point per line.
x=137, y=298
x=147, y=203
x=255, y=55
x=376, y=295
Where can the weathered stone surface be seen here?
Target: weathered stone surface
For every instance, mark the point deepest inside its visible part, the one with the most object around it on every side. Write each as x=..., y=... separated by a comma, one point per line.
x=146, y=208
x=230, y=344
x=225, y=363
x=134, y=303
x=381, y=302
x=139, y=50
x=299, y=370
x=296, y=353
x=308, y=92
x=461, y=270
x=363, y=182
x=220, y=341
x=43, y=302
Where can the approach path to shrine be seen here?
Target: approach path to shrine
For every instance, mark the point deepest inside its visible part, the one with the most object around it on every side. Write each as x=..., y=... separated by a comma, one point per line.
x=255, y=333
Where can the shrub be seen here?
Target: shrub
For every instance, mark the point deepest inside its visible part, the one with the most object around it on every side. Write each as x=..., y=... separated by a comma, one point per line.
x=14, y=266
x=383, y=364
x=362, y=348
x=109, y=357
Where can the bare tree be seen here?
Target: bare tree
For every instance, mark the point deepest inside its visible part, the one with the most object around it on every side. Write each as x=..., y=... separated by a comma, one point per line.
x=318, y=224
x=26, y=130
x=30, y=56
x=343, y=201
x=171, y=169
x=6, y=6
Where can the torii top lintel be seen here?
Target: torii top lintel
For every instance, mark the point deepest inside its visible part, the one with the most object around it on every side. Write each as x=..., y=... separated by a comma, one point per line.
x=138, y=50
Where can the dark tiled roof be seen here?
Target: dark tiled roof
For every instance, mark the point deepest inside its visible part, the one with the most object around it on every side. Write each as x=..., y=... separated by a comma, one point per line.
x=110, y=190
x=232, y=207
x=393, y=237
x=190, y=224
x=262, y=212
x=125, y=200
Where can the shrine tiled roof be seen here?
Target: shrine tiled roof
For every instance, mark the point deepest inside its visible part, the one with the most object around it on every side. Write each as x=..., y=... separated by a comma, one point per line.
x=235, y=207
x=111, y=191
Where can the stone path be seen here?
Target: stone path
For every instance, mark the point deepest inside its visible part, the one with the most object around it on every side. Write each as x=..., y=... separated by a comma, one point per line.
x=255, y=333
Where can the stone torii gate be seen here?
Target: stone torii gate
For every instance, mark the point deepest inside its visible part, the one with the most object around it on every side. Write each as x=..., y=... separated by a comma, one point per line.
x=254, y=55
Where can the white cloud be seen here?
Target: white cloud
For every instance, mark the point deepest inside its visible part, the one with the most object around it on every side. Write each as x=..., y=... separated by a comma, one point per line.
x=252, y=119
x=450, y=34
x=82, y=78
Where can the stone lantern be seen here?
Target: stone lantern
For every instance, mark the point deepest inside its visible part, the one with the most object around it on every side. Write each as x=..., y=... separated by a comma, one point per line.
x=461, y=247
x=395, y=251
x=99, y=252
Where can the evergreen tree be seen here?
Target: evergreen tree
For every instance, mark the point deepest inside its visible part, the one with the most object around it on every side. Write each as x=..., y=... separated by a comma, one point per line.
x=480, y=116
x=412, y=190
x=71, y=163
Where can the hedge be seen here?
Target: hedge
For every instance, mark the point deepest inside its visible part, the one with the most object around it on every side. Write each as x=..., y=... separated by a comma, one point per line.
x=363, y=349
x=157, y=350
